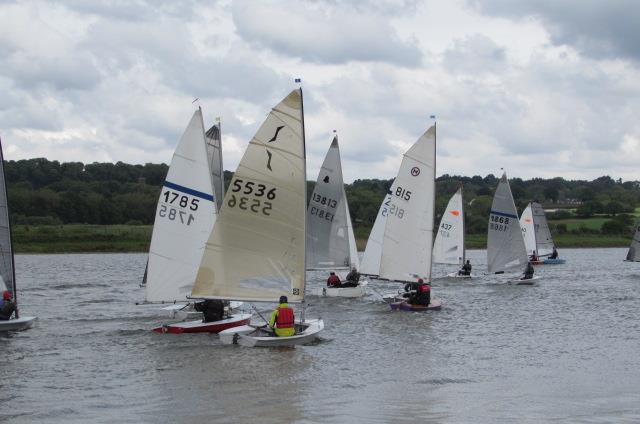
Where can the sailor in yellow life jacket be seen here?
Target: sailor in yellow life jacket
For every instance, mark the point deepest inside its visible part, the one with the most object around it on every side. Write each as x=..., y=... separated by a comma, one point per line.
x=282, y=319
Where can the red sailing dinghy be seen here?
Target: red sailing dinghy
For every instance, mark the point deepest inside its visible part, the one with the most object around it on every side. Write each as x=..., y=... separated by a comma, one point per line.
x=407, y=243
x=185, y=216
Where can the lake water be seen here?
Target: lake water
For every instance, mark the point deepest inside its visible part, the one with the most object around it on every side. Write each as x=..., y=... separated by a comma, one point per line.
x=565, y=350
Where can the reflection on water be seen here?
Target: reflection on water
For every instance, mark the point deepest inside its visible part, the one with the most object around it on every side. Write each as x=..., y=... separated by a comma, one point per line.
x=565, y=350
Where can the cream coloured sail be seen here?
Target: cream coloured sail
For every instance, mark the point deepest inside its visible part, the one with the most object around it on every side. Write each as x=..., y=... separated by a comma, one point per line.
x=256, y=251
x=449, y=245
x=505, y=245
x=634, y=249
x=528, y=230
x=373, y=251
x=328, y=238
x=408, y=236
x=184, y=217
x=353, y=247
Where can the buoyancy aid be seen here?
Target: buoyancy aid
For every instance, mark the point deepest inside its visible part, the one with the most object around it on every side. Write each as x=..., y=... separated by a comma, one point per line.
x=425, y=288
x=333, y=280
x=285, y=318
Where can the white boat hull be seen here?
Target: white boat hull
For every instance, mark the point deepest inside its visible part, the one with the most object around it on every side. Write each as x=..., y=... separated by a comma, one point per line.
x=358, y=291
x=254, y=336
x=463, y=277
x=17, y=324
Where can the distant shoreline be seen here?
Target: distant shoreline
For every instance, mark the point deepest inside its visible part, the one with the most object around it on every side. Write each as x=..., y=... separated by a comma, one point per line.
x=84, y=238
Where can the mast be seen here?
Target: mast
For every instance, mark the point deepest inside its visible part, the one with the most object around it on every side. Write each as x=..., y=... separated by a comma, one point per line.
x=464, y=250
x=13, y=264
x=304, y=173
x=220, y=153
x=435, y=141
x=535, y=238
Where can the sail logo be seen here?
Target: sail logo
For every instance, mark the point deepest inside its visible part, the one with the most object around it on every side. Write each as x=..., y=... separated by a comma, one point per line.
x=415, y=171
x=269, y=154
x=455, y=213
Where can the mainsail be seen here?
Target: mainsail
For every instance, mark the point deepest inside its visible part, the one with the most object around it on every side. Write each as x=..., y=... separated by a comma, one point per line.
x=634, y=250
x=214, y=155
x=353, y=247
x=329, y=233
x=505, y=245
x=408, y=235
x=7, y=271
x=184, y=218
x=449, y=245
x=535, y=229
x=373, y=250
x=256, y=251
x=528, y=230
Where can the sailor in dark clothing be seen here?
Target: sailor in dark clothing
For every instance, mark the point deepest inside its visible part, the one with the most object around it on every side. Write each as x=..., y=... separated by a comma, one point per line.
x=333, y=280
x=554, y=254
x=466, y=269
x=352, y=278
x=410, y=288
x=6, y=306
x=212, y=309
x=422, y=295
x=528, y=272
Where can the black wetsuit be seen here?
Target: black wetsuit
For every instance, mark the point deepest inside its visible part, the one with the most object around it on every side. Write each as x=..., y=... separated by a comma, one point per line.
x=528, y=272
x=212, y=309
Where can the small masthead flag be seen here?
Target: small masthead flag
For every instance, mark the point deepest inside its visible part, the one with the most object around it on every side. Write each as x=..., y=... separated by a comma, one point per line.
x=297, y=80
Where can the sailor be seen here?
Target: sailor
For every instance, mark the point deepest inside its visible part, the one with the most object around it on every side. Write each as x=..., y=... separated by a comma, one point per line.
x=411, y=288
x=528, y=271
x=6, y=306
x=352, y=278
x=534, y=257
x=466, y=269
x=212, y=309
x=554, y=254
x=333, y=280
x=282, y=319
x=423, y=294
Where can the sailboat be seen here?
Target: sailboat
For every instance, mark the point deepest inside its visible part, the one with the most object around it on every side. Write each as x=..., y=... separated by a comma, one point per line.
x=7, y=266
x=185, y=214
x=331, y=244
x=256, y=250
x=537, y=236
x=407, y=243
x=505, y=245
x=633, y=255
x=449, y=245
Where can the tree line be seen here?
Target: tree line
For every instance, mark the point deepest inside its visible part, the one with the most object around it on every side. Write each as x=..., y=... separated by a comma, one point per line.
x=49, y=192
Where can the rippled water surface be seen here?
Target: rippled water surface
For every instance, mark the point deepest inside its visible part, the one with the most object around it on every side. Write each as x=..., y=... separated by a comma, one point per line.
x=565, y=350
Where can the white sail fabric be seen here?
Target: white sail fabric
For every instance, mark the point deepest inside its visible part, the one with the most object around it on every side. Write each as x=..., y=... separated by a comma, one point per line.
x=505, y=245
x=373, y=251
x=7, y=274
x=528, y=230
x=184, y=217
x=214, y=155
x=256, y=251
x=634, y=249
x=353, y=247
x=327, y=232
x=449, y=245
x=544, y=241
x=408, y=236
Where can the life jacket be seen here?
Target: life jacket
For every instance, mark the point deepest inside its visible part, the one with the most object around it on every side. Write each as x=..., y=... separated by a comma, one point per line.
x=333, y=280
x=285, y=318
x=424, y=288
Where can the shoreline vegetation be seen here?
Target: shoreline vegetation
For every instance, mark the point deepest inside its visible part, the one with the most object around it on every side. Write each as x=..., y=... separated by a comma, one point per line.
x=86, y=238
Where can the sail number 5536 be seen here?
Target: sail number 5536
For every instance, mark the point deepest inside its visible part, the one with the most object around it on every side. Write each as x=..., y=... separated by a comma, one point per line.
x=248, y=195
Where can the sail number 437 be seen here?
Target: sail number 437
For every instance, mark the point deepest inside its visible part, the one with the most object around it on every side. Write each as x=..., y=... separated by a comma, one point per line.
x=248, y=195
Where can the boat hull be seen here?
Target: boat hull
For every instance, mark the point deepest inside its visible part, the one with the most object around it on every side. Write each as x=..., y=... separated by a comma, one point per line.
x=17, y=324
x=554, y=261
x=529, y=282
x=358, y=291
x=204, y=327
x=462, y=277
x=254, y=336
x=436, y=304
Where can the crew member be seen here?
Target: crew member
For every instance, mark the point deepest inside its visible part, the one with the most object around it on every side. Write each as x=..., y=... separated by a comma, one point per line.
x=282, y=319
x=333, y=280
x=528, y=271
x=423, y=294
x=352, y=278
x=6, y=306
x=534, y=257
x=554, y=254
x=466, y=269
x=212, y=309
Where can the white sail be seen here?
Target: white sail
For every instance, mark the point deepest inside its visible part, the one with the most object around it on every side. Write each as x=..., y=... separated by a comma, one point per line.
x=327, y=225
x=353, y=247
x=7, y=271
x=544, y=241
x=184, y=217
x=213, y=140
x=634, y=249
x=408, y=236
x=449, y=245
x=505, y=245
x=373, y=251
x=528, y=230
x=256, y=251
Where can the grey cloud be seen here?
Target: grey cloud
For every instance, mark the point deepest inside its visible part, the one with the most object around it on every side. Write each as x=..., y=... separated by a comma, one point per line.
x=323, y=34
x=600, y=29
x=477, y=54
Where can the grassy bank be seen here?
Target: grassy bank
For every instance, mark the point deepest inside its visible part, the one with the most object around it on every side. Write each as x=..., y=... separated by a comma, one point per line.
x=136, y=238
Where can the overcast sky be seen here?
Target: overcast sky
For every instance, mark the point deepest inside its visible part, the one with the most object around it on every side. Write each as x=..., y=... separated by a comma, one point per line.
x=542, y=88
